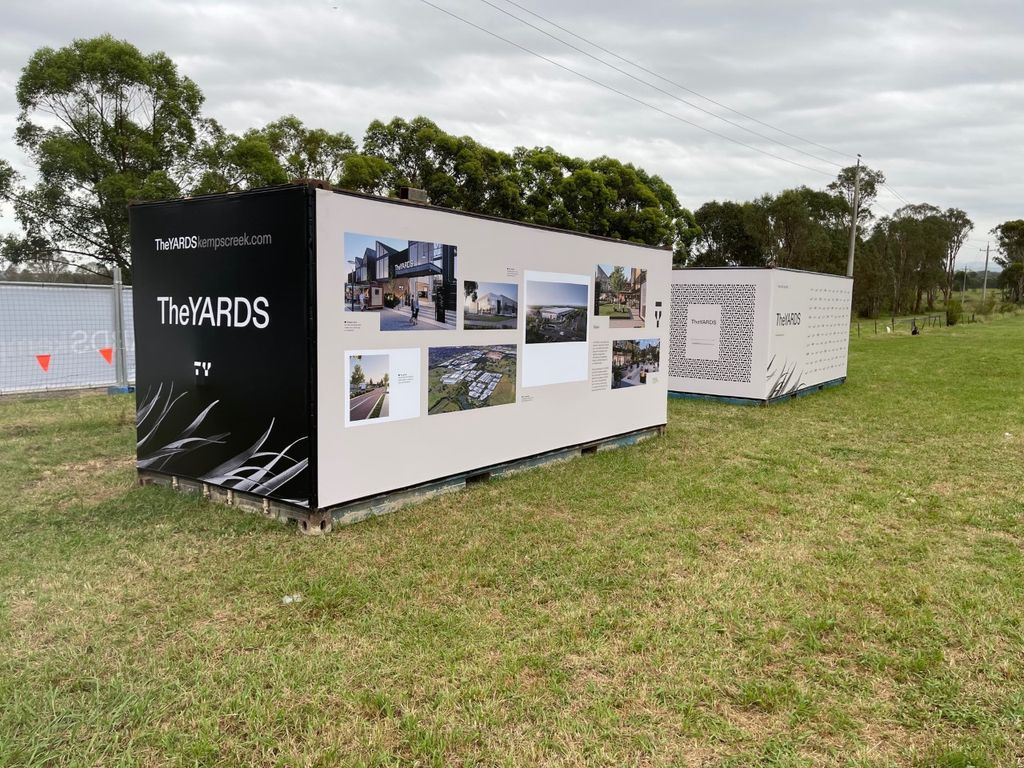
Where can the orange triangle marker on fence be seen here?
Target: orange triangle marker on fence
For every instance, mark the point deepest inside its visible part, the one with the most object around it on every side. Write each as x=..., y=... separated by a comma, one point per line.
x=44, y=362
x=108, y=354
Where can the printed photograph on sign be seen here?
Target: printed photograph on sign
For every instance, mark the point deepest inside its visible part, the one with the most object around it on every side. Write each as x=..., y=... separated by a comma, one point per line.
x=556, y=312
x=410, y=283
x=463, y=378
x=556, y=323
x=634, y=361
x=489, y=306
x=381, y=385
x=620, y=294
x=368, y=381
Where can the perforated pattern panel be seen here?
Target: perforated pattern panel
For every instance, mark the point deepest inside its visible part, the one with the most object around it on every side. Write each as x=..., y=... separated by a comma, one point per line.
x=734, y=361
x=828, y=333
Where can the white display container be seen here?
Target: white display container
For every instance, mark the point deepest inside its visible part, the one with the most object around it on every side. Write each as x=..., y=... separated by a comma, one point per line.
x=322, y=349
x=757, y=335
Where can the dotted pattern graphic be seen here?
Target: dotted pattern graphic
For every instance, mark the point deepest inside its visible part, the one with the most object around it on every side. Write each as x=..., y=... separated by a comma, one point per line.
x=737, y=341
x=828, y=333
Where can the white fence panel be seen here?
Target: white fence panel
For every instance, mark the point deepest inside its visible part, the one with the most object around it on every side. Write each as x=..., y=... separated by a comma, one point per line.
x=61, y=336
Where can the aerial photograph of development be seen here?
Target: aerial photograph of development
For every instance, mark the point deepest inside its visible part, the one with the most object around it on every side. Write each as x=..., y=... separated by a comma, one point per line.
x=461, y=378
x=556, y=312
x=368, y=387
x=490, y=306
x=620, y=294
x=633, y=360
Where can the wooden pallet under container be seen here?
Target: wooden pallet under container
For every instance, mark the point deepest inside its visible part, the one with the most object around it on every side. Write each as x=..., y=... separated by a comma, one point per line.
x=315, y=523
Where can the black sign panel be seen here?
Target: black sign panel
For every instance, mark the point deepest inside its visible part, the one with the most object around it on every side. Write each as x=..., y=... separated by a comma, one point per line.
x=222, y=329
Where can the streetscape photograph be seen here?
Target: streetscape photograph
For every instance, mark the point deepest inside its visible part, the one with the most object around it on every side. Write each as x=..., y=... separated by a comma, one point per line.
x=368, y=382
x=555, y=312
x=633, y=360
x=462, y=378
x=619, y=295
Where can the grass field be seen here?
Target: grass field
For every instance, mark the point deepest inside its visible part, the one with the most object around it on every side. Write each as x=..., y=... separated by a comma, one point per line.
x=837, y=580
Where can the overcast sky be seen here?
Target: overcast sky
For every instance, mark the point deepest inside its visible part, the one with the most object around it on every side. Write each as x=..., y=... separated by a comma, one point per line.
x=930, y=91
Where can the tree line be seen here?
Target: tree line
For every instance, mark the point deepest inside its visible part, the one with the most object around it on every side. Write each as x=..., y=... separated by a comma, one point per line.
x=105, y=125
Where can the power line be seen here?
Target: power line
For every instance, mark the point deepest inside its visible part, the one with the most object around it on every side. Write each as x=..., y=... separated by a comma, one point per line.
x=676, y=84
x=623, y=93
x=895, y=194
x=652, y=85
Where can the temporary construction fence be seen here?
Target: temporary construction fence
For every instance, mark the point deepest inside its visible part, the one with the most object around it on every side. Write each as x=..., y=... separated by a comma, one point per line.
x=65, y=336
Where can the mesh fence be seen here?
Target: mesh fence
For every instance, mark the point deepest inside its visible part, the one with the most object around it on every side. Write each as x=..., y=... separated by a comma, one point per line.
x=56, y=336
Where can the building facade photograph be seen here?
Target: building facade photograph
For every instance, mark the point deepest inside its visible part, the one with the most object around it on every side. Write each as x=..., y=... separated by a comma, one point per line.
x=490, y=305
x=411, y=282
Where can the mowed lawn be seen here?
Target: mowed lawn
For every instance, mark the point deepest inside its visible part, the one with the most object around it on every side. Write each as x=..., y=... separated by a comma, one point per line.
x=838, y=580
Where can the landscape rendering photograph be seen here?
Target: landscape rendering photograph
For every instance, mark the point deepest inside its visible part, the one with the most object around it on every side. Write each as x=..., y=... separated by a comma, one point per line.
x=633, y=360
x=556, y=312
x=464, y=378
x=619, y=295
x=368, y=387
x=490, y=306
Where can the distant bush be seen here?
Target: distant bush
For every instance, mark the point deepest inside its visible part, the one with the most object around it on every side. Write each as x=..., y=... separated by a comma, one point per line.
x=954, y=309
x=988, y=306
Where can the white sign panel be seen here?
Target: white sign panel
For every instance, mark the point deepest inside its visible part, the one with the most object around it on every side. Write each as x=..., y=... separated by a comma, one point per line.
x=704, y=331
x=555, y=330
x=810, y=330
x=449, y=343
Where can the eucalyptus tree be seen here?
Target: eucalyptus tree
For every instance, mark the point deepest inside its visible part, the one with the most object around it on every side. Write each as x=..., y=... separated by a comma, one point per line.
x=958, y=227
x=105, y=124
x=1010, y=236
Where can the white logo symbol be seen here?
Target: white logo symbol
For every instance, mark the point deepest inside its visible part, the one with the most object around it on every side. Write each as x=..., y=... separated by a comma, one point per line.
x=202, y=367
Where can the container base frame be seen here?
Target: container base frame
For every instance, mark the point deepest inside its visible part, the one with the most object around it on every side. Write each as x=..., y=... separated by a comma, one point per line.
x=756, y=401
x=317, y=522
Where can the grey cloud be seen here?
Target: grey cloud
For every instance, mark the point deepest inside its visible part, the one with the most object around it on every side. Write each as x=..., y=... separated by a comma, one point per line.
x=930, y=92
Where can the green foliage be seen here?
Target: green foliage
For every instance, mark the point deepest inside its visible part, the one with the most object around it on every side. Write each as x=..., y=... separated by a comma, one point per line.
x=234, y=163
x=843, y=186
x=105, y=124
x=365, y=173
x=954, y=309
x=800, y=229
x=357, y=377
x=7, y=179
x=1010, y=235
x=912, y=245
x=308, y=153
x=958, y=227
x=723, y=238
x=602, y=196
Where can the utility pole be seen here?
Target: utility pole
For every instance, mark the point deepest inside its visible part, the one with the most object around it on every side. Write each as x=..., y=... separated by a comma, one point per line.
x=984, y=285
x=853, y=219
x=963, y=288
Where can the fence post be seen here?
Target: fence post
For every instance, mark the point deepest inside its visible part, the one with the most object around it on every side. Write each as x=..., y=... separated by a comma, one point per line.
x=120, y=361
